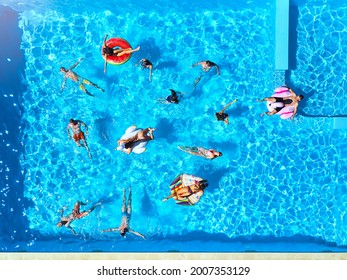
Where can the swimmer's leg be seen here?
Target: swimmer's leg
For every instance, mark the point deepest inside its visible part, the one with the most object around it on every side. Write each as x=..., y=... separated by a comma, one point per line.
x=87, y=148
x=124, y=206
x=93, y=207
x=197, y=80
x=190, y=150
x=129, y=203
x=82, y=87
x=78, y=143
x=87, y=82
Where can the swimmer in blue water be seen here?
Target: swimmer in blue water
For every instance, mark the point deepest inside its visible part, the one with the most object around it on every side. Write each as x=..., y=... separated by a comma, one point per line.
x=69, y=74
x=174, y=97
x=145, y=63
x=206, y=66
x=74, y=215
x=221, y=116
x=126, y=216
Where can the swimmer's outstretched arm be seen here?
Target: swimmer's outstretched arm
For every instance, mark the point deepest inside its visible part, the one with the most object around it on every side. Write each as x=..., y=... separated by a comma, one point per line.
x=226, y=106
x=218, y=70
x=294, y=112
x=137, y=233
x=68, y=131
x=63, y=84
x=105, y=40
x=82, y=123
x=150, y=73
x=196, y=64
x=78, y=62
x=110, y=230
x=137, y=64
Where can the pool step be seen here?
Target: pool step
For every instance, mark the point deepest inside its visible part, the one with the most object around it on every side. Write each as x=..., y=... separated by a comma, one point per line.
x=340, y=123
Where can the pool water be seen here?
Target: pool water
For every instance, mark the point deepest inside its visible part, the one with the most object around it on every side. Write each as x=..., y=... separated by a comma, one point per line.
x=276, y=181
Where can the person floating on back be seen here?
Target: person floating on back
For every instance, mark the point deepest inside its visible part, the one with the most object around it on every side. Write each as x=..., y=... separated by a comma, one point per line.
x=187, y=189
x=221, y=116
x=206, y=66
x=74, y=215
x=69, y=74
x=124, y=226
x=143, y=135
x=145, y=63
x=78, y=135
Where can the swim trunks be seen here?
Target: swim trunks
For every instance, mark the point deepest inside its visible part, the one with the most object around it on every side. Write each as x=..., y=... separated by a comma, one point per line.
x=78, y=136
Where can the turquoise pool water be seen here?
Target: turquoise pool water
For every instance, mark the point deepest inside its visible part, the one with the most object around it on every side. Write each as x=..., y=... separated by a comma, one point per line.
x=277, y=180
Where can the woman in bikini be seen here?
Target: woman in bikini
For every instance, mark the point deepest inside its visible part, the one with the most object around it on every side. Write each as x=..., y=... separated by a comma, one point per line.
x=143, y=135
x=221, y=116
x=197, y=151
x=107, y=51
x=185, y=192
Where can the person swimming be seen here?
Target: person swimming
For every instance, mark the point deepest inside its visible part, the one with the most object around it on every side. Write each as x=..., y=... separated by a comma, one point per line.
x=145, y=63
x=173, y=98
x=198, y=151
x=69, y=74
x=221, y=116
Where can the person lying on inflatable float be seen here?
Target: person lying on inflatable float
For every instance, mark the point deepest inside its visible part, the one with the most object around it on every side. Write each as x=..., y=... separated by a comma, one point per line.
x=283, y=102
x=197, y=151
x=187, y=189
x=116, y=51
x=135, y=139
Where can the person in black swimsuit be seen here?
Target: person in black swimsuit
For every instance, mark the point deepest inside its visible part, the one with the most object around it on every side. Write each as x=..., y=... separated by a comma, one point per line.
x=221, y=116
x=145, y=63
x=107, y=51
x=292, y=100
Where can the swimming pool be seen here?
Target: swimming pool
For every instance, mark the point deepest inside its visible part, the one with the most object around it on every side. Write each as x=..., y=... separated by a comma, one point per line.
x=279, y=186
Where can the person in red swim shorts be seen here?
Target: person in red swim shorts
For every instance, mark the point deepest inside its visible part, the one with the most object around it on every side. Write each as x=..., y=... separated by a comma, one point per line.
x=74, y=215
x=78, y=134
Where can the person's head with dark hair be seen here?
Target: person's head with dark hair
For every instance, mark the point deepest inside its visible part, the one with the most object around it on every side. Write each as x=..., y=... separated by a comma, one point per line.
x=208, y=63
x=174, y=97
x=203, y=184
x=61, y=223
x=62, y=69
x=301, y=97
x=123, y=232
x=73, y=121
